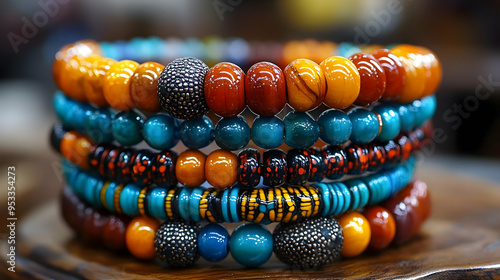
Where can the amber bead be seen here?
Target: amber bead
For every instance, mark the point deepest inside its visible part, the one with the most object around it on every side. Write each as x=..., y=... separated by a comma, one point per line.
x=382, y=225
x=225, y=89
x=144, y=86
x=342, y=82
x=116, y=88
x=372, y=78
x=306, y=85
x=357, y=234
x=221, y=169
x=370, y=48
x=190, y=168
x=415, y=73
x=113, y=233
x=140, y=236
x=75, y=73
x=265, y=89
x=76, y=148
x=410, y=208
x=395, y=74
x=93, y=84
x=434, y=71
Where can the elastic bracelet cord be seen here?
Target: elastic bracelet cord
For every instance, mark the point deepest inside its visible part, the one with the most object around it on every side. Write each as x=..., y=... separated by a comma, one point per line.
x=302, y=244
x=298, y=129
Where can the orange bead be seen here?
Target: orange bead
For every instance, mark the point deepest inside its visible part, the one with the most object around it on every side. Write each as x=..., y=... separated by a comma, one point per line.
x=116, y=88
x=190, y=168
x=144, y=85
x=306, y=85
x=343, y=82
x=140, y=236
x=382, y=225
x=370, y=48
x=434, y=70
x=221, y=169
x=357, y=234
x=75, y=73
x=75, y=148
x=93, y=84
x=416, y=73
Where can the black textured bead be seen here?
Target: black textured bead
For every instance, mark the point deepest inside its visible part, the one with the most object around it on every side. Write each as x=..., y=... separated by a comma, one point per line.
x=299, y=166
x=249, y=168
x=318, y=164
x=309, y=243
x=176, y=243
x=181, y=86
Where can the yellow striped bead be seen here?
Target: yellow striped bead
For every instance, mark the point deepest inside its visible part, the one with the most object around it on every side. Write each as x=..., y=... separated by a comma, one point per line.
x=140, y=202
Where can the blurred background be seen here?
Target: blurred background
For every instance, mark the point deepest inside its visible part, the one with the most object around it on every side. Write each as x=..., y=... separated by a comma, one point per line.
x=464, y=34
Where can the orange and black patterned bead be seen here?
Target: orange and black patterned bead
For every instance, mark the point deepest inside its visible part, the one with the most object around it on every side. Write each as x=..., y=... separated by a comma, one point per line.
x=163, y=168
x=94, y=157
x=336, y=162
x=249, y=168
x=392, y=152
x=273, y=167
x=124, y=164
x=406, y=146
x=358, y=159
x=318, y=164
x=110, y=163
x=376, y=157
x=141, y=168
x=299, y=166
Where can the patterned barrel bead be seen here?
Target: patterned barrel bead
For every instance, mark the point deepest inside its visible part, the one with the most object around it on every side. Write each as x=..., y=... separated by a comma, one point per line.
x=124, y=165
x=299, y=166
x=102, y=161
x=357, y=159
x=249, y=168
x=274, y=167
x=94, y=157
x=406, y=146
x=319, y=164
x=306, y=84
x=392, y=152
x=163, y=168
x=110, y=163
x=141, y=168
x=336, y=162
x=376, y=154
x=206, y=208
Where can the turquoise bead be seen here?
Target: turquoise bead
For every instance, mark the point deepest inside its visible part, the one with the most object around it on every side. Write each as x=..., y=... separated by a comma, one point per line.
x=233, y=204
x=197, y=133
x=99, y=126
x=70, y=172
x=160, y=132
x=90, y=189
x=268, y=132
x=80, y=183
x=127, y=128
x=347, y=49
x=156, y=203
x=406, y=117
x=232, y=133
x=326, y=198
x=391, y=124
x=365, y=126
x=183, y=203
x=301, y=131
x=334, y=127
x=213, y=242
x=128, y=200
x=428, y=109
x=361, y=189
x=251, y=245
x=194, y=204
x=339, y=199
x=59, y=102
x=347, y=196
x=109, y=196
x=224, y=205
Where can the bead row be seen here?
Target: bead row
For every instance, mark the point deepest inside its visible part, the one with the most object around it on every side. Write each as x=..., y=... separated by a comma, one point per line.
x=262, y=205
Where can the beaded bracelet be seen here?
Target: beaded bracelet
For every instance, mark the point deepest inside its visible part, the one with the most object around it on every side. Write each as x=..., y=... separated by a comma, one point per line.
x=223, y=169
x=183, y=83
x=262, y=205
x=298, y=130
x=321, y=240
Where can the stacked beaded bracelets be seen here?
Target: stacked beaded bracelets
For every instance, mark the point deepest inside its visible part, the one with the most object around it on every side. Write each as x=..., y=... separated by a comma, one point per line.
x=107, y=106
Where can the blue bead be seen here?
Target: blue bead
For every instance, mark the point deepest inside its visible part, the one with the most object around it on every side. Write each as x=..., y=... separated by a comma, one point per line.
x=347, y=196
x=347, y=49
x=362, y=191
x=233, y=204
x=160, y=132
x=232, y=133
x=183, y=203
x=301, y=131
x=127, y=128
x=339, y=199
x=109, y=196
x=89, y=192
x=365, y=126
x=128, y=200
x=334, y=127
x=419, y=115
x=213, y=242
x=326, y=198
x=197, y=133
x=406, y=117
x=251, y=245
x=391, y=124
x=429, y=104
x=194, y=204
x=156, y=203
x=79, y=185
x=224, y=205
x=59, y=102
x=268, y=132
x=99, y=126
x=70, y=172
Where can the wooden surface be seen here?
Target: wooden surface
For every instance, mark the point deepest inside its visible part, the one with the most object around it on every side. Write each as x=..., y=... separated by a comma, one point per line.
x=460, y=241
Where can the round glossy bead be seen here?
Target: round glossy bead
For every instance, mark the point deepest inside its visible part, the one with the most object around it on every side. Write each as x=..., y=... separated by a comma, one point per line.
x=251, y=245
x=336, y=162
x=94, y=82
x=273, y=167
x=75, y=74
x=392, y=152
x=144, y=86
x=365, y=126
x=176, y=243
x=357, y=234
x=415, y=73
x=376, y=157
x=232, y=133
x=197, y=133
x=306, y=84
x=301, y=131
x=391, y=124
x=180, y=88
x=249, y=168
x=190, y=168
x=343, y=82
x=163, y=168
x=98, y=126
x=225, y=89
x=127, y=128
x=221, y=168
x=334, y=127
x=395, y=74
x=382, y=225
x=160, y=132
x=141, y=168
x=140, y=236
x=299, y=166
x=116, y=88
x=268, y=132
x=265, y=89
x=372, y=78
x=124, y=165
x=434, y=71
x=93, y=225
x=406, y=117
x=76, y=148
x=213, y=242
x=309, y=243
x=358, y=159
x=319, y=164
x=427, y=110
x=110, y=163
x=114, y=232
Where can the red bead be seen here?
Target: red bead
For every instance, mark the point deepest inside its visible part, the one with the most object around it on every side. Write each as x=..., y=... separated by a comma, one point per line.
x=382, y=225
x=225, y=89
x=395, y=74
x=265, y=89
x=93, y=225
x=372, y=78
x=113, y=233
